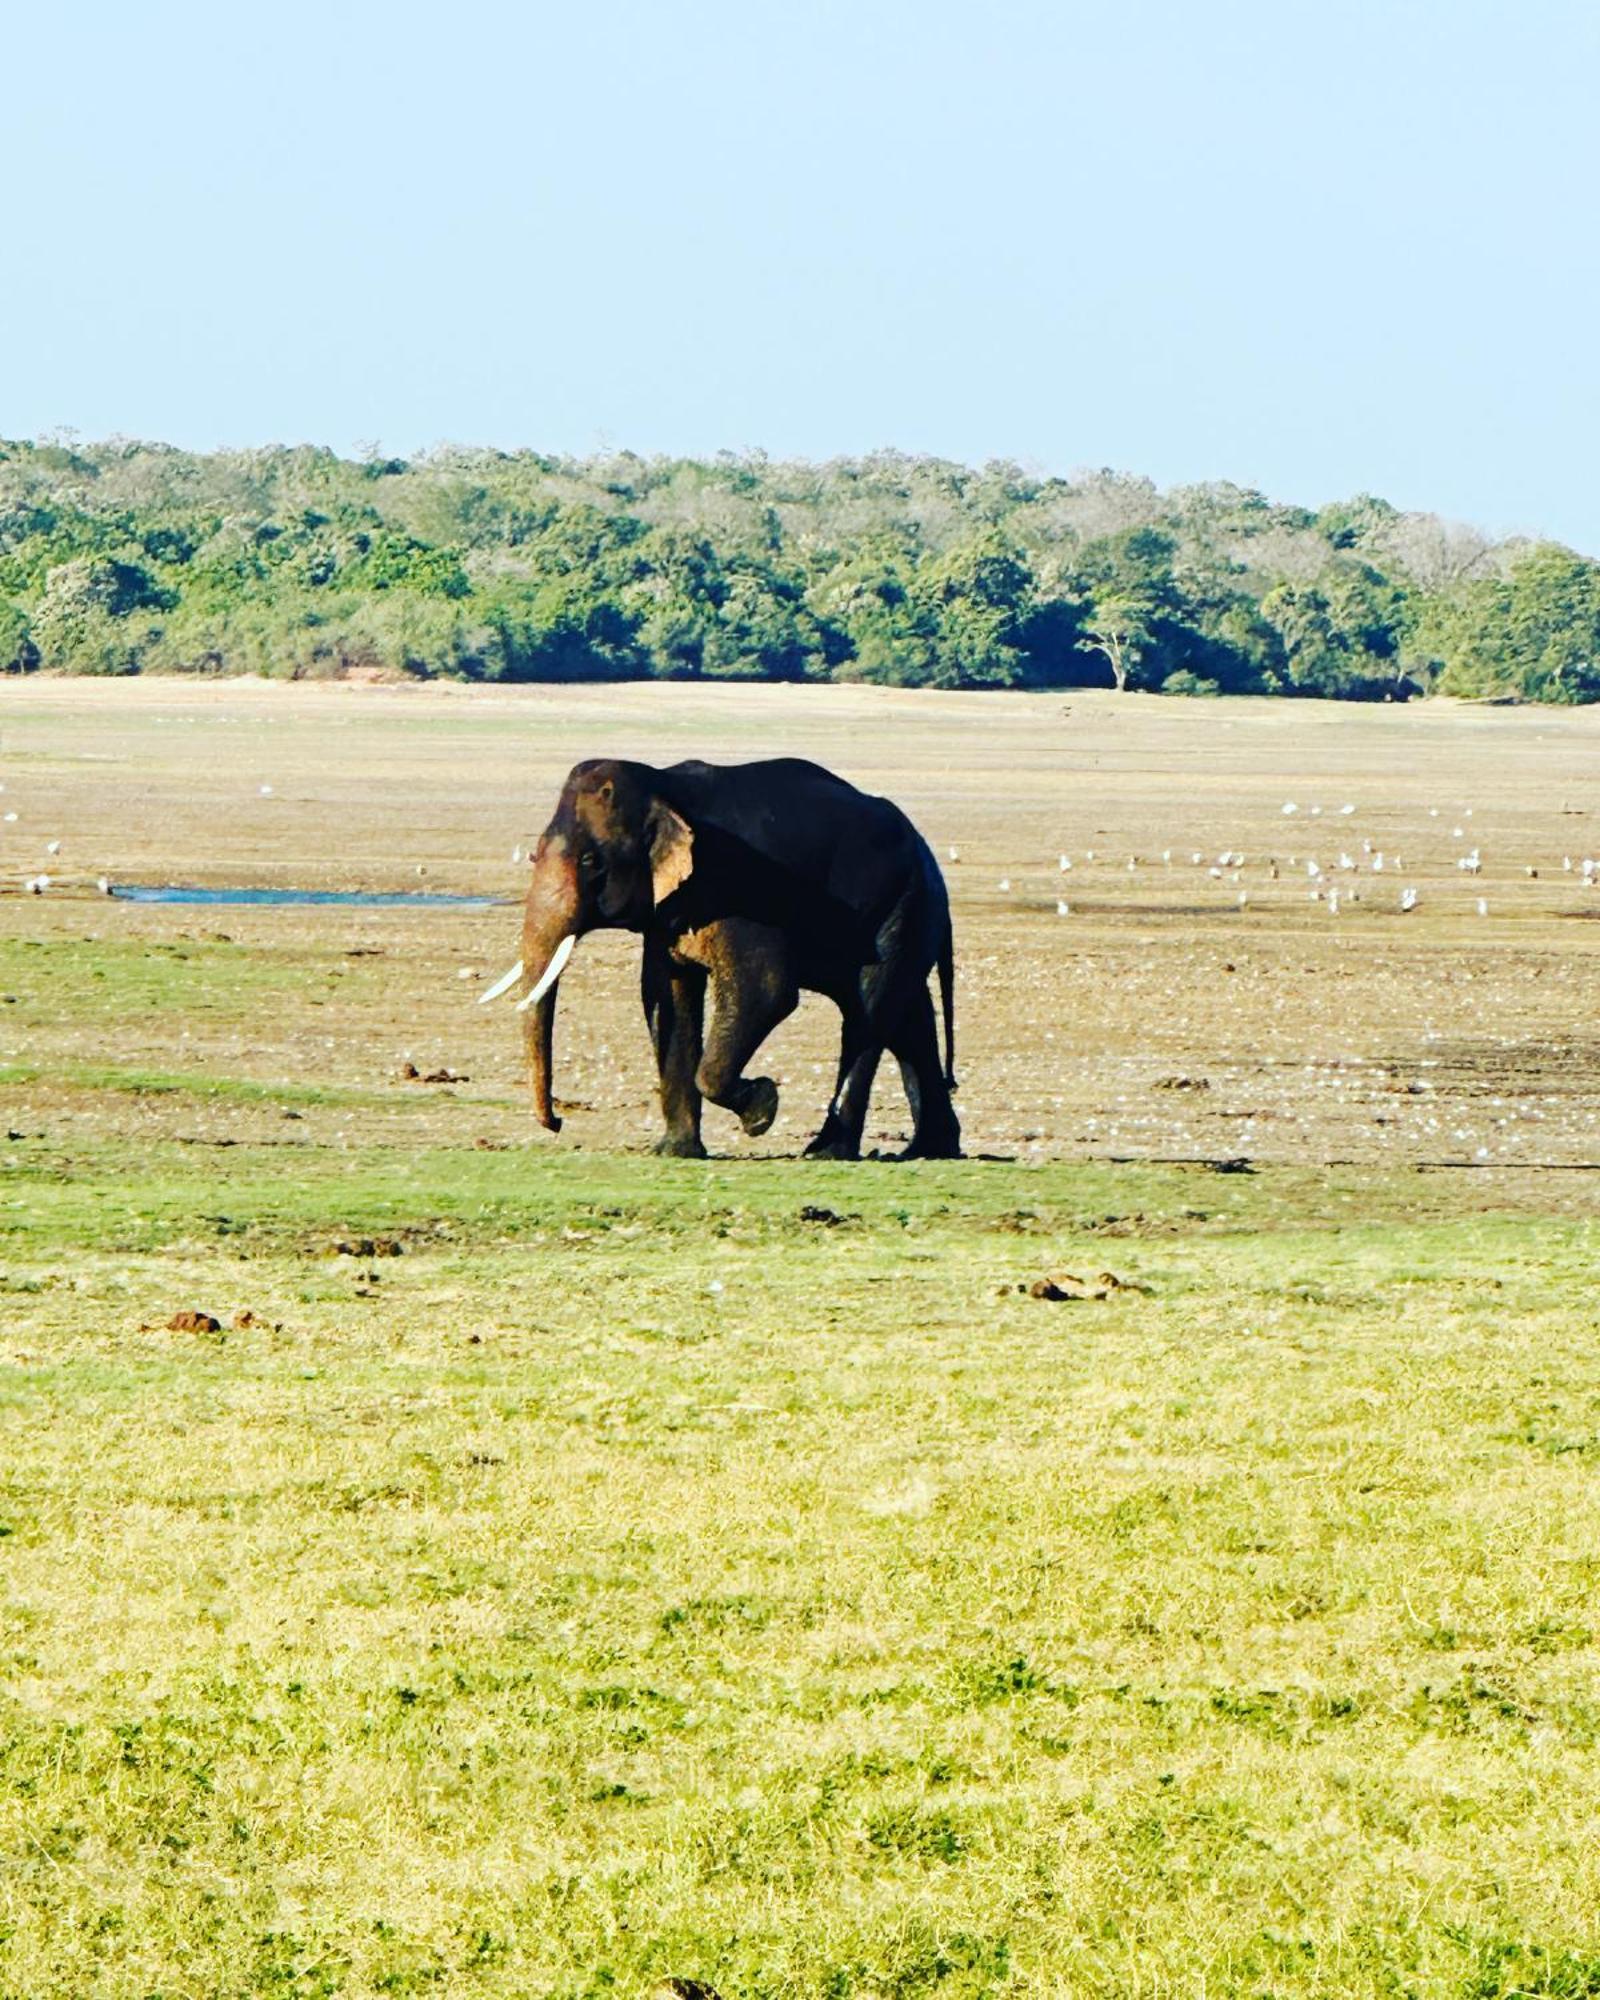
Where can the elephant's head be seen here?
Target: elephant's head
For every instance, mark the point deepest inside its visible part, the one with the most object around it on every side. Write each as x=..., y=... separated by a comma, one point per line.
x=613, y=850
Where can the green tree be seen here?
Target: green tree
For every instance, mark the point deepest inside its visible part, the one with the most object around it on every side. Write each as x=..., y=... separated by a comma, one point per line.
x=869, y=598
x=85, y=621
x=17, y=652
x=1534, y=634
x=975, y=601
x=1341, y=635
x=1119, y=627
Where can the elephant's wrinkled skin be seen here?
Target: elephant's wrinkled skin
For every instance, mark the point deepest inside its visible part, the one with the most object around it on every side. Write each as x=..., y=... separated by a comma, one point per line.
x=752, y=880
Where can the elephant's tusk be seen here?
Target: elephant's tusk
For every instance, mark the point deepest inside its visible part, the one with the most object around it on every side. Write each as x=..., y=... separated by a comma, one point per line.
x=551, y=973
x=502, y=985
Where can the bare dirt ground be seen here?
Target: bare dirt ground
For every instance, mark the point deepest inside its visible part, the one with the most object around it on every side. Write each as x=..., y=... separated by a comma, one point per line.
x=1157, y=1018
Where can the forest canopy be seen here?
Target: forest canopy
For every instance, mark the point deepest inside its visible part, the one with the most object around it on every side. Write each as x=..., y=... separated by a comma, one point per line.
x=127, y=557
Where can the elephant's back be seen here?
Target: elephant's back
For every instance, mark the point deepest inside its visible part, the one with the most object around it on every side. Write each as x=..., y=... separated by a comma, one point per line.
x=798, y=814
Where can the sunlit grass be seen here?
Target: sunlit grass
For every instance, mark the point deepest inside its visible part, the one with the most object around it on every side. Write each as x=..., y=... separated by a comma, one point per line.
x=633, y=1576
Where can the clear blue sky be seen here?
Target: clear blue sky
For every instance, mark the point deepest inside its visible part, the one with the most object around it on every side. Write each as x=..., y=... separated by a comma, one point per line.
x=1316, y=249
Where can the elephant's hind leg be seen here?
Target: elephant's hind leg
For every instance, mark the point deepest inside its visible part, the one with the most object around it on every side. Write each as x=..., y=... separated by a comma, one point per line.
x=859, y=1055
x=935, y=1129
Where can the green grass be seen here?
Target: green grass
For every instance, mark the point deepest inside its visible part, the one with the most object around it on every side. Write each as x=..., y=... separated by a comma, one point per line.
x=98, y=978
x=208, y=1087
x=634, y=1577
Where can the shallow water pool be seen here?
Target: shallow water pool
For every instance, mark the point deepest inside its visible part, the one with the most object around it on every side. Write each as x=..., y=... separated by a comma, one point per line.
x=360, y=899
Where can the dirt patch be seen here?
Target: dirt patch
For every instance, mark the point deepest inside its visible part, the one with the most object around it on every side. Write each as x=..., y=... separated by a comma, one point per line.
x=1085, y=1038
x=1063, y=1285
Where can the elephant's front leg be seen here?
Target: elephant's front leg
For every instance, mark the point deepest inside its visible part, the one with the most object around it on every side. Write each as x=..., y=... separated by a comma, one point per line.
x=752, y=990
x=674, y=1006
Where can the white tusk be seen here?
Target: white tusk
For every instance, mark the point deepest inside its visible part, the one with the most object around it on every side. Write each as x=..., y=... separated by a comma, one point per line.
x=501, y=985
x=551, y=973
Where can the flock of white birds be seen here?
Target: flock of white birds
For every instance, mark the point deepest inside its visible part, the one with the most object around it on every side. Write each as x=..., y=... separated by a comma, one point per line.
x=1322, y=871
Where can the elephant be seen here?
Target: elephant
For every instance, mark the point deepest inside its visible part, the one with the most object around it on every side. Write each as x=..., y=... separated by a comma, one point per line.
x=748, y=882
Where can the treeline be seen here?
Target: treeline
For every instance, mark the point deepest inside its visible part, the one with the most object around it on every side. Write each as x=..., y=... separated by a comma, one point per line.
x=125, y=557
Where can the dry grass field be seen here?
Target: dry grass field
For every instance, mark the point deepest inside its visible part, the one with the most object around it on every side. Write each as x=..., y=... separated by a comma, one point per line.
x=562, y=1568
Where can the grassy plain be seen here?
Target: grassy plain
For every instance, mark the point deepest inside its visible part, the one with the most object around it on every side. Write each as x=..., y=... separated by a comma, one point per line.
x=728, y=1571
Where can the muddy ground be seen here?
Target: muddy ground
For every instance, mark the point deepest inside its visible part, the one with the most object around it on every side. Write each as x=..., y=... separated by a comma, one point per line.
x=1161, y=1016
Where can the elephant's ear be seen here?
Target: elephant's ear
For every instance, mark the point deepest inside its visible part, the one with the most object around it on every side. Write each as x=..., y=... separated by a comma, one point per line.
x=671, y=850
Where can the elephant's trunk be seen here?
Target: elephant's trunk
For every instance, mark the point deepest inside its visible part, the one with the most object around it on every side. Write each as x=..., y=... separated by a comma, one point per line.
x=539, y=1034
x=549, y=929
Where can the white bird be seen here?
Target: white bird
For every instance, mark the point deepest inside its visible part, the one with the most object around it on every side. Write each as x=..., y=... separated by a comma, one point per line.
x=1290, y=807
x=52, y=847
x=1244, y=899
x=266, y=791
x=10, y=817
x=1315, y=810
x=1313, y=870
x=1166, y=856
x=1005, y=881
x=1065, y=863
x=1063, y=909
x=103, y=885
x=1347, y=809
x=1377, y=864
x=1483, y=907
x=38, y=884
x=955, y=854
x=1333, y=902
x=516, y=855
x=1408, y=899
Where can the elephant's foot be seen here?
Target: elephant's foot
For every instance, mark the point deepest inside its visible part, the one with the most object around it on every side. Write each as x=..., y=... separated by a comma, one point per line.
x=929, y=1149
x=680, y=1146
x=826, y=1147
x=760, y=1106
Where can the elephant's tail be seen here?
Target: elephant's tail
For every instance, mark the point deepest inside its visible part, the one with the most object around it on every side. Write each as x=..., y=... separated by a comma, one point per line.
x=947, y=993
